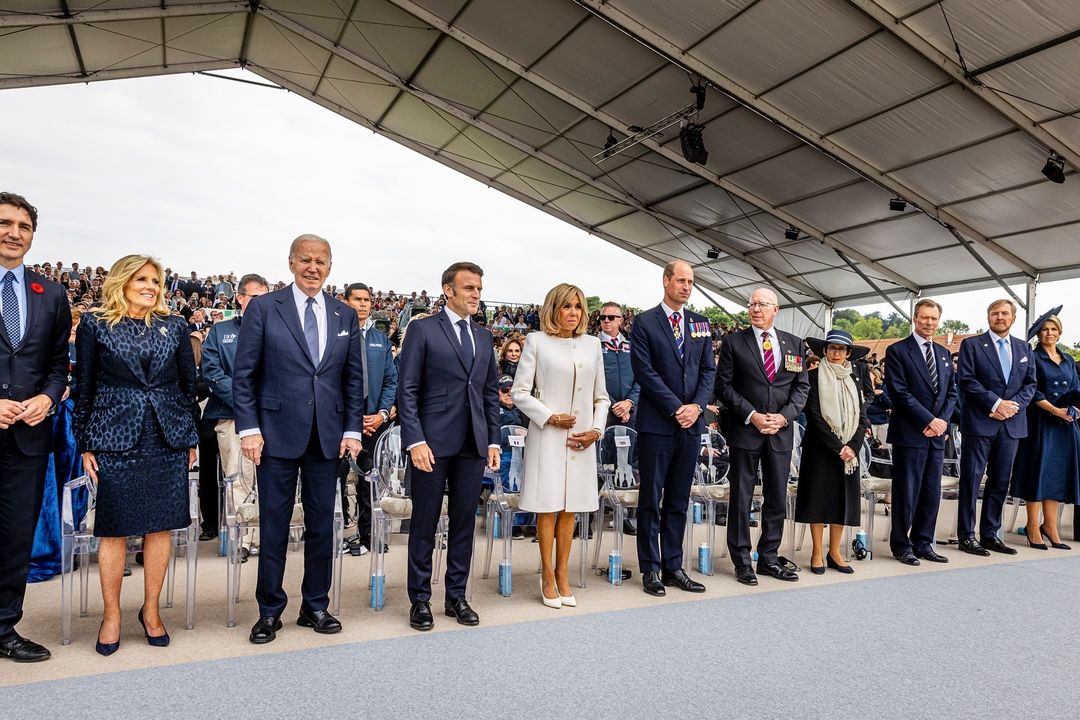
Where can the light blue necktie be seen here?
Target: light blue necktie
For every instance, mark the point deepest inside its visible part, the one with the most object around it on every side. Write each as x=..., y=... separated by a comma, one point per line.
x=311, y=331
x=1003, y=356
x=11, y=310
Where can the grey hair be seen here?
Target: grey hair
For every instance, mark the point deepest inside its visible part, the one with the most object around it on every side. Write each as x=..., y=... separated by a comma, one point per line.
x=308, y=237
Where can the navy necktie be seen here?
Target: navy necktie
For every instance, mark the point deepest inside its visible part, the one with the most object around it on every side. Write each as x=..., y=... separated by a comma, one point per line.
x=311, y=331
x=11, y=310
x=466, y=343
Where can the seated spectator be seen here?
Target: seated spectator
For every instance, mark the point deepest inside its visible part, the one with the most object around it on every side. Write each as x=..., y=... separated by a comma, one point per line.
x=509, y=356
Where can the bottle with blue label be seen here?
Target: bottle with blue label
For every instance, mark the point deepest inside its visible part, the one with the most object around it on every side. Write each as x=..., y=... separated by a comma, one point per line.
x=505, y=582
x=697, y=513
x=495, y=529
x=614, y=572
x=378, y=591
x=704, y=558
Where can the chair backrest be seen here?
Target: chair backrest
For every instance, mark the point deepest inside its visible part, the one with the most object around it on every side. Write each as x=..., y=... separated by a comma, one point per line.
x=952, y=454
x=69, y=526
x=390, y=463
x=714, y=458
x=512, y=440
x=618, y=456
x=796, y=449
x=864, y=459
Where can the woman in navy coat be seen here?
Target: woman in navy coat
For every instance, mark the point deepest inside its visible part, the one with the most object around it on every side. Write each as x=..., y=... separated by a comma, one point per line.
x=135, y=425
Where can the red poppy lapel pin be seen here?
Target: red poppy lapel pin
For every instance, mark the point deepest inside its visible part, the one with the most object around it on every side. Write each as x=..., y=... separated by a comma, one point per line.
x=37, y=287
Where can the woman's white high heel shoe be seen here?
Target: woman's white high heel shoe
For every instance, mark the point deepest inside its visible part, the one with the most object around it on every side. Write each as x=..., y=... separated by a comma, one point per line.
x=555, y=603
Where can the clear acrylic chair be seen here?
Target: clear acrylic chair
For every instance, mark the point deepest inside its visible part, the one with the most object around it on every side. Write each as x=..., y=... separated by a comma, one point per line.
x=710, y=488
x=502, y=504
x=616, y=466
x=798, y=431
x=77, y=540
x=243, y=519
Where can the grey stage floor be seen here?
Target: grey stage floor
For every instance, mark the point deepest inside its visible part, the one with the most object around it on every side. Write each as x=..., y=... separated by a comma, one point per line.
x=990, y=642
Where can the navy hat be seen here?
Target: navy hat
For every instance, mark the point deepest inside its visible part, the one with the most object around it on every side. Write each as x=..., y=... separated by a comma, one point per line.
x=505, y=381
x=1037, y=326
x=836, y=336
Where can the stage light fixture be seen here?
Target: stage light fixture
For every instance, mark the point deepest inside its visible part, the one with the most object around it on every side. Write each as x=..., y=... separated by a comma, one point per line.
x=1054, y=170
x=693, y=147
x=699, y=96
x=609, y=143
x=712, y=253
x=898, y=204
x=791, y=234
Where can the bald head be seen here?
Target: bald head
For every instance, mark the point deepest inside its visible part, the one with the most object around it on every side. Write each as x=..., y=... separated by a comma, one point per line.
x=762, y=308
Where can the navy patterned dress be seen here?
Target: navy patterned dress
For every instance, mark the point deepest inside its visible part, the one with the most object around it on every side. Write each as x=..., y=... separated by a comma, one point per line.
x=1047, y=465
x=136, y=411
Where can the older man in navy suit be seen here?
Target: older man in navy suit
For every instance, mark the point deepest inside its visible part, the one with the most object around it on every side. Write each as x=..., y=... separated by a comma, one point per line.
x=761, y=380
x=919, y=379
x=33, y=377
x=671, y=354
x=298, y=393
x=448, y=405
x=996, y=373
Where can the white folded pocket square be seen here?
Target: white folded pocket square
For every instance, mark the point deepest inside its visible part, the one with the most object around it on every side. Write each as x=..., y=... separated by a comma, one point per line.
x=343, y=333
x=1023, y=359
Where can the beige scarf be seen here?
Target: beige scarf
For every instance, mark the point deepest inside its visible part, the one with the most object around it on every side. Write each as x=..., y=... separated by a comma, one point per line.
x=839, y=399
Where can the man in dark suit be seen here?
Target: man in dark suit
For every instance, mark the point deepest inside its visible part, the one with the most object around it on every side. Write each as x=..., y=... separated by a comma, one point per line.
x=761, y=380
x=298, y=394
x=33, y=376
x=448, y=405
x=997, y=382
x=671, y=355
x=920, y=382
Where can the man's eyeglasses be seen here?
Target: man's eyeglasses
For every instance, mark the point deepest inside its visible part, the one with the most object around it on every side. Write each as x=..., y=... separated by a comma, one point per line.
x=610, y=317
x=762, y=305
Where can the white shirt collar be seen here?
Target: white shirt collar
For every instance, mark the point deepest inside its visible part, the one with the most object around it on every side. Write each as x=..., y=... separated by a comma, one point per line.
x=758, y=331
x=20, y=274
x=920, y=339
x=301, y=298
x=454, y=317
x=997, y=337
x=668, y=311
x=604, y=337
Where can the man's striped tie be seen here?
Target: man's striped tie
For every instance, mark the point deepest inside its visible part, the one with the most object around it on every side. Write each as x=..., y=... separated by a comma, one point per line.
x=767, y=356
x=676, y=328
x=931, y=365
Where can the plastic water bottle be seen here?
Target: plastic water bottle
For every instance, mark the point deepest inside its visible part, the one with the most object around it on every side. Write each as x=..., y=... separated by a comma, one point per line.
x=697, y=513
x=614, y=571
x=753, y=556
x=497, y=526
x=505, y=582
x=378, y=591
x=704, y=559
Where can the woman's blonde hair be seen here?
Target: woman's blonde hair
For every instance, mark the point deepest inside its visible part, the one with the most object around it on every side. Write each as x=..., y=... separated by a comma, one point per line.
x=513, y=339
x=557, y=297
x=1057, y=323
x=114, y=304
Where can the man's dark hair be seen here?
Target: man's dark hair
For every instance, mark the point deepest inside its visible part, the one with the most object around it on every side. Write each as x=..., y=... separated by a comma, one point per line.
x=356, y=287
x=254, y=279
x=451, y=272
x=8, y=198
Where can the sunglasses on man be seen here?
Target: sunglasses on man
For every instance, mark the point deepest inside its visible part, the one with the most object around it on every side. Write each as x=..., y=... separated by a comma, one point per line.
x=610, y=317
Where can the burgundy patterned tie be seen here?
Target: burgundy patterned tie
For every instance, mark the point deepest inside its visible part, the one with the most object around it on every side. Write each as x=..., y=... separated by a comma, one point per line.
x=767, y=356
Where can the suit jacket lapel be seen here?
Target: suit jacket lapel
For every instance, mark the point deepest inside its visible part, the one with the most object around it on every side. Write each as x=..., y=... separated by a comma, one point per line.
x=665, y=328
x=916, y=347
x=990, y=351
x=333, y=327
x=451, y=337
x=755, y=351
x=287, y=309
x=33, y=301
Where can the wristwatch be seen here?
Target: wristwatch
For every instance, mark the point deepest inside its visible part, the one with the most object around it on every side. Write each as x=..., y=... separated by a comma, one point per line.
x=385, y=415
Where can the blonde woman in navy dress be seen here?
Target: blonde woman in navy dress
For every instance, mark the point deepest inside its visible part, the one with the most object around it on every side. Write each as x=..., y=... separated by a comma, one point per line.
x=135, y=425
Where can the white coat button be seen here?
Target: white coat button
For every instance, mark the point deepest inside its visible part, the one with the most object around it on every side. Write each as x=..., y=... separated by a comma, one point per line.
x=579, y=389
x=580, y=365
x=573, y=457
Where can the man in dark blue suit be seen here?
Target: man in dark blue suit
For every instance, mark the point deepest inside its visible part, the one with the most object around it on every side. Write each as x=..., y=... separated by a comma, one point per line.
x=298, y=393
x=761, y=380
x=997, y=382
x=920, y=382
x=448, y=405
x=36, y=323
x=672, y=358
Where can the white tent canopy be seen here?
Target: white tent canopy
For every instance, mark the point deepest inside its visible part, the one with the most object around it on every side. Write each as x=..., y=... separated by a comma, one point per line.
x=817, y=113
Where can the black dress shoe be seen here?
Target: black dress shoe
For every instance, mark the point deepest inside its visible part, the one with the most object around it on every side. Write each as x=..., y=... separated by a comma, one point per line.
x=628, y=527
x=931, y=556
x=265, y=630
x=459, y=608
x=207, y=535
x=832, y=564
x=319, y=620
x=1055, y=545
x=972, y=547
x=19, y=649
x=679, y=578
x=777, y=571
x=745, y=575
x=420, y=617
x=652, y=584
x=908, y=558
x=998, y=546
x=817, y=569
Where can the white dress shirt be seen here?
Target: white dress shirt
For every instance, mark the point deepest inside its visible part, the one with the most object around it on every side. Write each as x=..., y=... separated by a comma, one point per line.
x=319, y=307
x=1008, y=351
x=777, y=357
x=454, y=318
x=19, y=286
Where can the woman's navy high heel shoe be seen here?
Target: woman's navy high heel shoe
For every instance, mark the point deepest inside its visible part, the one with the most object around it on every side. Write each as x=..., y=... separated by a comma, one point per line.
x=830, y=563
x=155, y=640
x=106, y=649
x=1055, y=545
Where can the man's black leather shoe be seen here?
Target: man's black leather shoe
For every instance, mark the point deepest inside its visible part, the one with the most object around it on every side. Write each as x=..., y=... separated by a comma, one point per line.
x=459, y=608
x=908, y=558
x=319, y=620
x=265, y=630
x=628, y=527
x=21, y=650
x=679, y=578
x=931, y=556
x=972, y=547
x=777, y=571
x=997, y=546
x=652, y=584
x=745, y=575
x=420, y=617
x=206, y=535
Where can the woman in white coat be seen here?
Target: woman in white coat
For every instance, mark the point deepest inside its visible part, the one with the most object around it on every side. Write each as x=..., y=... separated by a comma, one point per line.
x=560, y=387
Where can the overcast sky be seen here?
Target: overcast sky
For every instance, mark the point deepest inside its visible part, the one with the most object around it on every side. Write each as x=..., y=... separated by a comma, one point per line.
x=218, y=176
